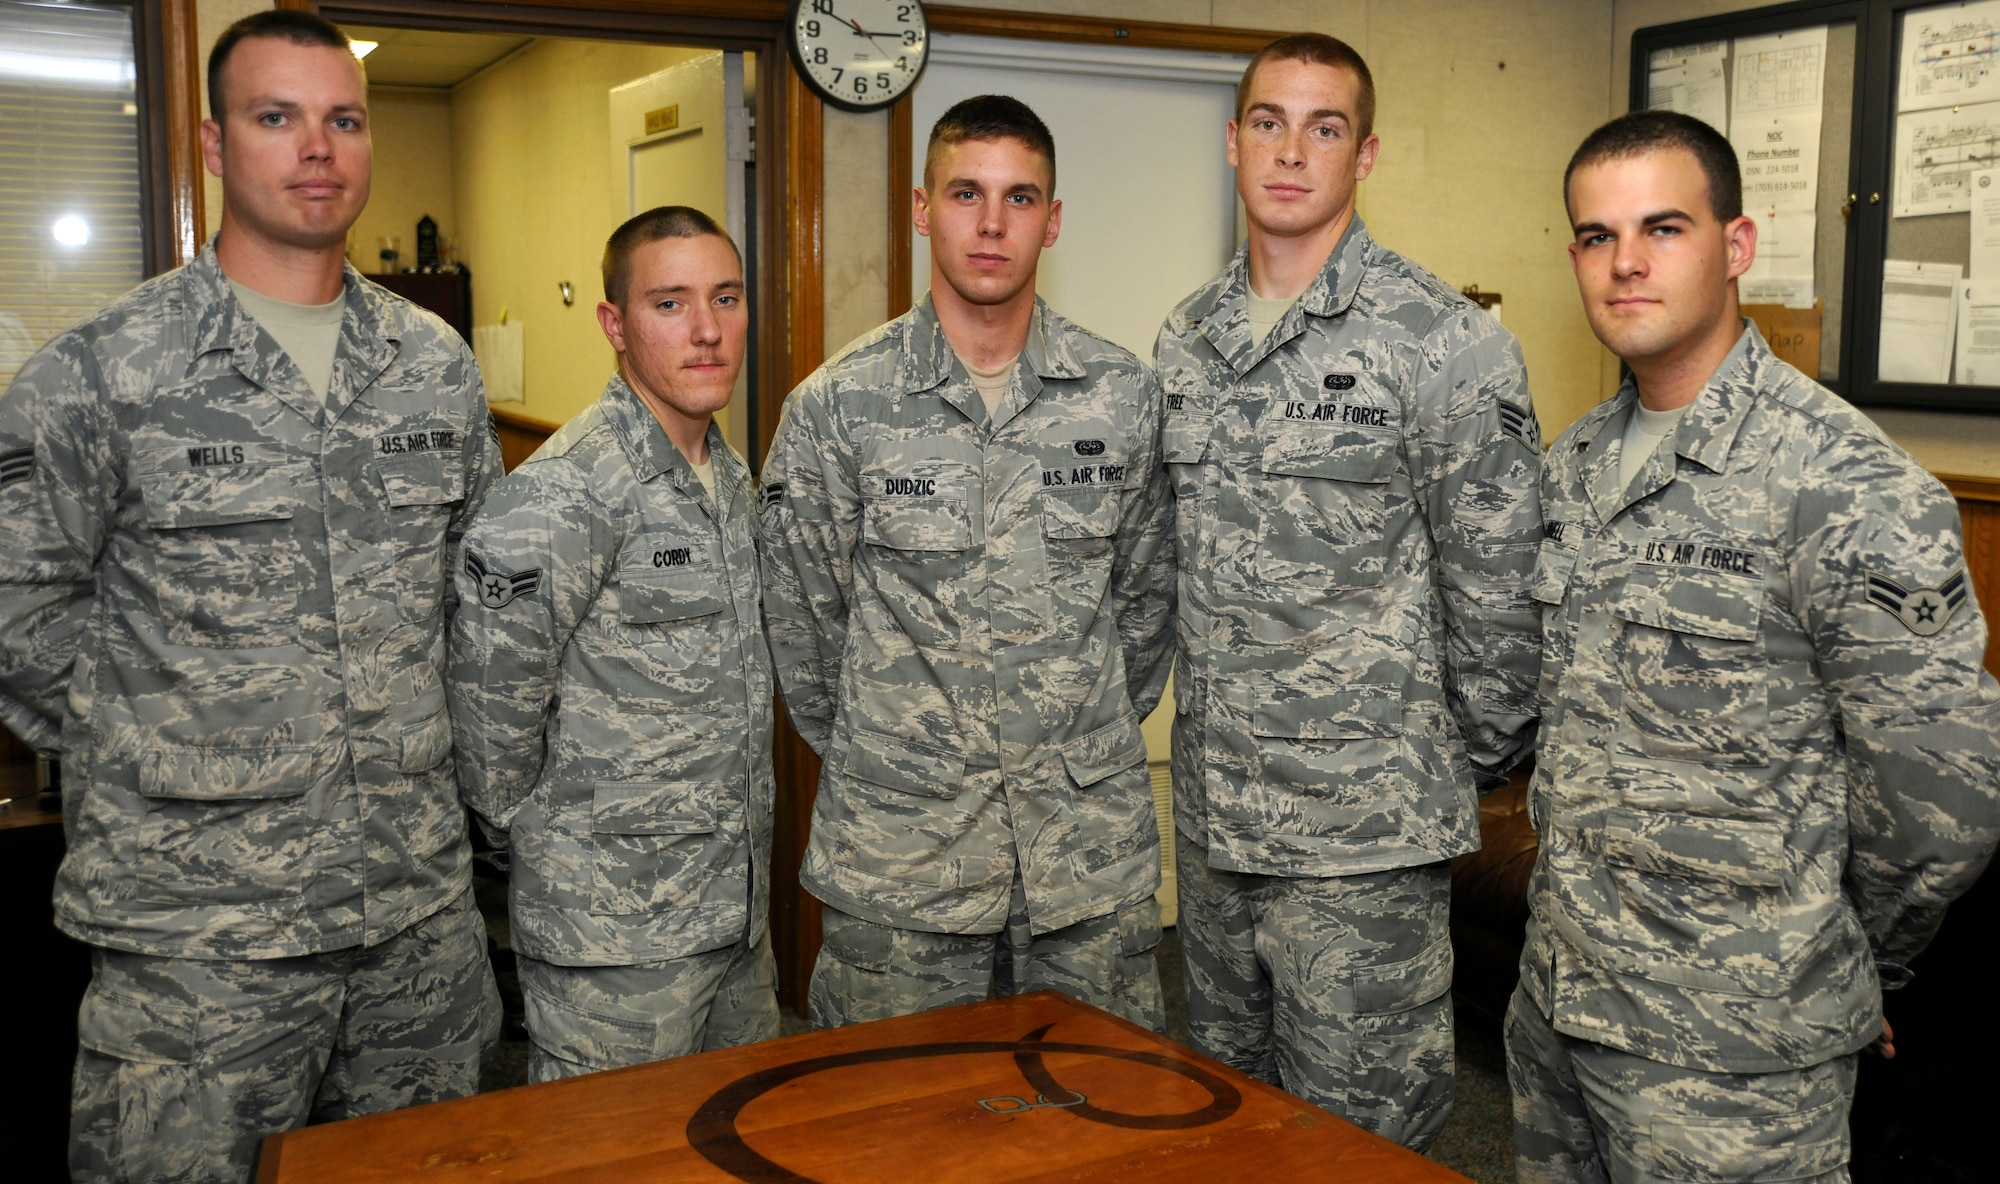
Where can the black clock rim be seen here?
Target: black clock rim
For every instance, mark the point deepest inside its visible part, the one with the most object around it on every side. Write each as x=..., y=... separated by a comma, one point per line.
x=828, y=97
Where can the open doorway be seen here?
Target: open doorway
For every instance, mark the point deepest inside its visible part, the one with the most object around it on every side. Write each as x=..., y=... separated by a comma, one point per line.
x=502, y=163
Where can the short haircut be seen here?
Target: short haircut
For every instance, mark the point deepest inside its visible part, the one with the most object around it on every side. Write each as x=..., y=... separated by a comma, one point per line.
x=1641, y=132
x=1320, y=50
x=990, y=117
x=286, y=24
x=650, y=227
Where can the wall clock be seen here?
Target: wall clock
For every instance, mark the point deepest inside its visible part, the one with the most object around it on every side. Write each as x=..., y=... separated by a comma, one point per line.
x=860, y=55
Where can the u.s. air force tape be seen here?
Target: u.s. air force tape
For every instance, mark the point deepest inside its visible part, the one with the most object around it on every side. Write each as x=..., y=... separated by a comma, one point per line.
x=497, y=589
x=1923, y=610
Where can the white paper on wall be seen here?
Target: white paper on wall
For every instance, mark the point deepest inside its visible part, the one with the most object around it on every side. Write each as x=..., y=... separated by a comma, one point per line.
x=1949, y=56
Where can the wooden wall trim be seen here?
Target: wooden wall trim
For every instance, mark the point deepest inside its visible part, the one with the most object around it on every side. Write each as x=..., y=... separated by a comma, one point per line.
x=1030, y=26
x=523, y=421
x=187, y=217
x=1049, y=26
x=805, y=226
x=902, y=177
x=1972, y=489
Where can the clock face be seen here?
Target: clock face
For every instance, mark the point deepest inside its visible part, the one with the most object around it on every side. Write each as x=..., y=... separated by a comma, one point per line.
x=860, y=54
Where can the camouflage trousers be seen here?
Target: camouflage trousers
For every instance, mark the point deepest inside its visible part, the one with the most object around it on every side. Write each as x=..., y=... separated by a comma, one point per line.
x=585, y=1018
x=871, y=971
x=1338, y=989
x=186, y=1064
x=1588, y=1114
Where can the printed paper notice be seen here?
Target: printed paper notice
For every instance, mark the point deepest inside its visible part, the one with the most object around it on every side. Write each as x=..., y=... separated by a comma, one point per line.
x=1919, y=320
x=1692, y=86
x=1986, y=229
x=1978, y=334
x=1782, y=272
x=1949, y=55
x=1779, y=157
x=1779, y=72
x=1938, y=151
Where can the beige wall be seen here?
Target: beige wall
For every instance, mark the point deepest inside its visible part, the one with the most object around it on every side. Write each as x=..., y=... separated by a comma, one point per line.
x=411, y=130
x=1470, y=175
x=531, y=169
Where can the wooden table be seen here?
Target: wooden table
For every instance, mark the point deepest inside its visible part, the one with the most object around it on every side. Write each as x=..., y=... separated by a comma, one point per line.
x=1038, y=1087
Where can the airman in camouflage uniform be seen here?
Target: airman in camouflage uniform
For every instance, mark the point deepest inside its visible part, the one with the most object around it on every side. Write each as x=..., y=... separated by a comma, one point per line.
x=1357, y=524
x=224, y=603
x=1770, y=756
x=611, y=688
x=968, y=606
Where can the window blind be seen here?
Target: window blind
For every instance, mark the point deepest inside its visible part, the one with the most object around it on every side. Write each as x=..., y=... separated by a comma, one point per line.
x=70, y=205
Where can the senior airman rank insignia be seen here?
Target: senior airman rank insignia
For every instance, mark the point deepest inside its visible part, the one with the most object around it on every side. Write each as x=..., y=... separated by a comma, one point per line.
x=16, y=465
x=1923, y=610
x=497, y=589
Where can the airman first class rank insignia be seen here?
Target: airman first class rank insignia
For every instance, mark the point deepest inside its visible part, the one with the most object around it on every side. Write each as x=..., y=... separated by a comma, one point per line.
x=16, y=465
x=497, y=589
x=1923, y=610
x=1521, y=425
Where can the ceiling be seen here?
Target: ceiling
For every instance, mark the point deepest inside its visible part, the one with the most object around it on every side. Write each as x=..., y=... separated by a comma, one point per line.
x=428, y=57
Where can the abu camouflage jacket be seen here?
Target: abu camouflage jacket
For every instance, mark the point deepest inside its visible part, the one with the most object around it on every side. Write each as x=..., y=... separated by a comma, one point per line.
x=225, y=605
x=1358, y=516
x=1770, y=756
x=611, y=692
x=969, y=620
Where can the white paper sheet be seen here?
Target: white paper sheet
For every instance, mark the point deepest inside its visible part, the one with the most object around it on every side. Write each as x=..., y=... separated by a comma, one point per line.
x=1779, y=72
x=1782, y=273
x=1695, y=86
x=1978, y=361
x=1936, y=154
x=1779, y=157
x=1985, y=203
x=1919, y=321
x=498, y=350
x=1949, y=56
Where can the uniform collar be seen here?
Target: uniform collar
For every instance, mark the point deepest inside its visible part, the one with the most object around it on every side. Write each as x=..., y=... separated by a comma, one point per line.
x=647, y=448
x=1220, y=311
x=1706, y=434
x=928, y=362
x=370, y=334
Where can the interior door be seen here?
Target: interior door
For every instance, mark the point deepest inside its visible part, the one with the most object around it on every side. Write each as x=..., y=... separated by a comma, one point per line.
x=681, y=137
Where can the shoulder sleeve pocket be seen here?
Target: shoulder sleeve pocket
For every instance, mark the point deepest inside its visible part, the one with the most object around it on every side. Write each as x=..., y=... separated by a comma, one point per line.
x=905, y=765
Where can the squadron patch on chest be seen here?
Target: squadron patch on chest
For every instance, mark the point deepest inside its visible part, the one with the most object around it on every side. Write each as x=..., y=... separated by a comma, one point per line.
x=16, y=464
x=497, y=589
x=1923, y=611
x=1708, y=556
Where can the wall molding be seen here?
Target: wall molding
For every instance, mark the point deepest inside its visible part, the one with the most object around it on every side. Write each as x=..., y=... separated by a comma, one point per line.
x=1096, y=59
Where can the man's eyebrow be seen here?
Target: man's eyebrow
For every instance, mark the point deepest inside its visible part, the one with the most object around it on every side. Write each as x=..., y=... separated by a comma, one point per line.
x=677, y=289
x=968, y=183
x=1316, y=113
x=1653, y=219
x=273, y=103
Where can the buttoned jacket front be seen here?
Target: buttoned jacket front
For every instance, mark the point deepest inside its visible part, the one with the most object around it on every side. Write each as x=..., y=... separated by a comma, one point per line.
x=1357, y=515
x=611, y=692
x=231, y=592
x=969, y=618
x=1770, y=755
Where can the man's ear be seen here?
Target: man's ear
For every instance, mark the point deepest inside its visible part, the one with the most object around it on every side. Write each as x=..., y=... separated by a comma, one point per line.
x=1740, y=233
x=920, y=211
x=612, y=321
x=211, y=146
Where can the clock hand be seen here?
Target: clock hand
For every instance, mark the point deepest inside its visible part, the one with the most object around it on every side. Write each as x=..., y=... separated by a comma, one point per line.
x=856, y=26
